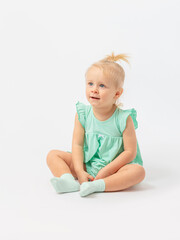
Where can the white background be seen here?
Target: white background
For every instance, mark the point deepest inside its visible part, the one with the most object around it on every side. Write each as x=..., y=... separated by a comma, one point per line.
x=45, y=49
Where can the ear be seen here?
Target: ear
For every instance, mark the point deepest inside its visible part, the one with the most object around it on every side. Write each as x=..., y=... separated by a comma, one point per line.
x=119, y=93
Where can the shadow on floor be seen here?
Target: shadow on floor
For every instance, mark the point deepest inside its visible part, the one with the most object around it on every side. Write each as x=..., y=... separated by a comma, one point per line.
x=143, y=186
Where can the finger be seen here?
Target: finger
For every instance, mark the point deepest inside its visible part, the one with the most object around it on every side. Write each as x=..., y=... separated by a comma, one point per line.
x=82, y=181
x=90, y=177
x=85, y=180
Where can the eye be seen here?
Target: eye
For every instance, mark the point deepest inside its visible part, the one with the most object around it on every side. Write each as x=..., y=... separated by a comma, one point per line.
x=102, y=85
x=90, y=83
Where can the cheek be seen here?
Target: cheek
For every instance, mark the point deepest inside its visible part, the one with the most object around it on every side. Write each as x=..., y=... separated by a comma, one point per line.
x=87, y=91
x=105, y=94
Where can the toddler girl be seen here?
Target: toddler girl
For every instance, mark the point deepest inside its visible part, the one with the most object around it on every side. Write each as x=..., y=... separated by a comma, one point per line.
x=105, y=152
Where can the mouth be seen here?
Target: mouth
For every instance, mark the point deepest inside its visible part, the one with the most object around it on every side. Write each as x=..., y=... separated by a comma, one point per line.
x=95, y=98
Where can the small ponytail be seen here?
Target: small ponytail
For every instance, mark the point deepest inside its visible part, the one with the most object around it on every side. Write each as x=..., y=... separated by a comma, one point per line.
x=113, y=58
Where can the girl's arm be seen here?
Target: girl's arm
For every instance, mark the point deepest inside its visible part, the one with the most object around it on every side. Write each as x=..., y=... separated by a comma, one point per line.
x=77, y=146
x=130, y=148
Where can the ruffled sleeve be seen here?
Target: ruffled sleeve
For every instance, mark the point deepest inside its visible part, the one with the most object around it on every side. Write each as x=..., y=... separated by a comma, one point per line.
x=124, y=114
x=81, y=111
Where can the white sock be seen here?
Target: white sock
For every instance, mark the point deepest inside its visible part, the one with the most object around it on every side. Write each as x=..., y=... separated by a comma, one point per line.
x=87, y=188
x=65, y=183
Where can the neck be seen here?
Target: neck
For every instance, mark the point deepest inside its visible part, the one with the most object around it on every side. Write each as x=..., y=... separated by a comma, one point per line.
x=103, y=114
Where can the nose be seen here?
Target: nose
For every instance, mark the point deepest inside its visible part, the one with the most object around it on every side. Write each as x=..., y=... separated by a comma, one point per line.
x=94, y=89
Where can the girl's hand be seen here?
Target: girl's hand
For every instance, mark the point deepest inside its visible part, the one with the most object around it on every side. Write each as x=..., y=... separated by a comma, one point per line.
x=84, y=177
x=102, y=173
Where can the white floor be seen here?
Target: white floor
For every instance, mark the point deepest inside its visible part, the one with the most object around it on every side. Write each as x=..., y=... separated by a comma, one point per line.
x=30, y=209
x=45, y=50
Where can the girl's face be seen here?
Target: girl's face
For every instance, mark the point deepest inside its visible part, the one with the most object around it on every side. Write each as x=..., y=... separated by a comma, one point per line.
x=100, y=92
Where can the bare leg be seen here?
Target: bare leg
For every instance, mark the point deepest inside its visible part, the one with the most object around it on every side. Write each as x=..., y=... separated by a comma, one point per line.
x=125, y=177
x=60, y=162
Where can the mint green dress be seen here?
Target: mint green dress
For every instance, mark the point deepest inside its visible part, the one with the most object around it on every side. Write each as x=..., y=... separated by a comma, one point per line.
x=103, y=140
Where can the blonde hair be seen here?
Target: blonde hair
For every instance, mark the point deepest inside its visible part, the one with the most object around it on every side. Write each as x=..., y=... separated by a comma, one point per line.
x=112, y=70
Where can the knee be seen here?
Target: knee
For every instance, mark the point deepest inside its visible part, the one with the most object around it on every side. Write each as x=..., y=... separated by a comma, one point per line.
x=50, y=156
x=142, y=173
x=139, y=172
